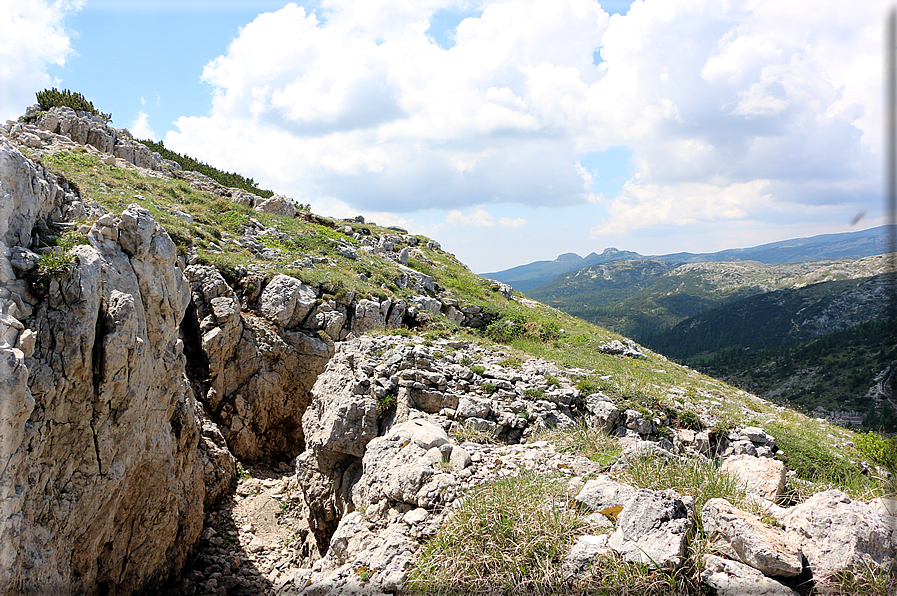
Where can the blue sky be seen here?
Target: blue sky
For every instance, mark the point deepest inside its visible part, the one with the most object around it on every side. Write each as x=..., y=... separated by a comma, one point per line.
x=510, y=130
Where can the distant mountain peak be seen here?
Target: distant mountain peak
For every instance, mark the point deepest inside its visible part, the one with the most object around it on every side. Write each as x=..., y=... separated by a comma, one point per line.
x=568, y=256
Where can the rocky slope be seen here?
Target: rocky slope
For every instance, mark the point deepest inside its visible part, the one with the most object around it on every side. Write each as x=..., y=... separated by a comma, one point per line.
x=146, y=367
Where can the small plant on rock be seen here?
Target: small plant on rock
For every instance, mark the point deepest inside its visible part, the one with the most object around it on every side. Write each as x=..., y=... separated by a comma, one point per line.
x=533, y=393
x=688, y=419
x=386, y=403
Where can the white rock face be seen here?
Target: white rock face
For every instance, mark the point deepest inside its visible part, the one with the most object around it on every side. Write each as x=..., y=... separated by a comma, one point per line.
x=652, y=528
x=603, y=493
x=763, y=476
x=260, y=375
x=730, y=578
x=287, y=301
x=835, y=532
x=101, y=487
x=277, y=205
x=743, y=537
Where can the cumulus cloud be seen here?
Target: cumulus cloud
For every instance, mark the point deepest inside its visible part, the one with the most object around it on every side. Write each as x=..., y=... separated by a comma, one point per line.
x=732, y=110
x=481, y=218
x=140, y=127
x=363, y=105
x=32, y=38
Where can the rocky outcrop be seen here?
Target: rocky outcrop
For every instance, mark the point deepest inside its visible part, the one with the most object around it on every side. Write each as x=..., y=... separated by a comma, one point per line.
x=258, y=373
x=101, y=487
x=835, y=532
x=62, y=125
x=743, y=537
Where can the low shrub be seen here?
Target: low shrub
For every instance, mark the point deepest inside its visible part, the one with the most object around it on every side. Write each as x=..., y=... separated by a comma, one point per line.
x=50, y=98
x=881, y=450
x=687, y=419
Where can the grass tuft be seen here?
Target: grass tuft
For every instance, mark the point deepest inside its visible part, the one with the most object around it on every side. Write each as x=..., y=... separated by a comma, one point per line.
x=696, y=477
x=509, y=537
x=586, y=438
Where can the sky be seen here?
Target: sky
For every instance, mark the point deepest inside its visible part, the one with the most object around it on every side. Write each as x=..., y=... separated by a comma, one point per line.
x=511, y=130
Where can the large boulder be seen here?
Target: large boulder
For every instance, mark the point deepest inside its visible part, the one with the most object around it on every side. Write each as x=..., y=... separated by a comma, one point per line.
x=395, y=466
x=286, y=301
x=277, y=205
x=652, y=528
x=743, y=537
x=762, y=476
x=835, y=532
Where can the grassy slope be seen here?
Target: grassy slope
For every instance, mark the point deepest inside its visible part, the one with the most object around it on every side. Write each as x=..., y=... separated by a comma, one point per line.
x=642, y=384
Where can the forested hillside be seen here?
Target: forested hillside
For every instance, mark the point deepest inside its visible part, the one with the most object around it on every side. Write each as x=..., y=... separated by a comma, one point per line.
x=765, y=328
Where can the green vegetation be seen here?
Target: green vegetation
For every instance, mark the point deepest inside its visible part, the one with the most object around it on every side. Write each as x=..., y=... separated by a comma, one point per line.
x=819, y=465
x=386, y=404
x=50, y=98
x=473, y=434
x=510, y=534
x=722, y=319
x=698, y=478
x=586, y=439
x=881, y=450
x=227, y=179
x=55, y=263
x=217, y=222
x=510, y=537
x=834, y=371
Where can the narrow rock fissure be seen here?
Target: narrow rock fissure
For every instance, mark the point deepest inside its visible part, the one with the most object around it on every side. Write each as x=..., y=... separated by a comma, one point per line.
x=98, y=358
x=197, y=367
x=98, y=355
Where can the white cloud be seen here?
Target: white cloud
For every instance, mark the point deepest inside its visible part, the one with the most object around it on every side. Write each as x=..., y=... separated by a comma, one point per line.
x=481, y=218
x=733, y=111
x=512, y=222
x=365, y=107
x=641, y=206
x=32, y=37
x=140, y=127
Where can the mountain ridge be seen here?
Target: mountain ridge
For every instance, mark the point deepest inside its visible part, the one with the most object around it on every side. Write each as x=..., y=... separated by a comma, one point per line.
x=855, y=245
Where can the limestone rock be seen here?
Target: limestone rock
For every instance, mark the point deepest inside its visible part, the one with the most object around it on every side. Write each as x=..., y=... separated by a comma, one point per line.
x=368, y=315
x=391, y=464
x=762, y=476
x=277, y=205
x=586, y=549
x=259, y=375
x=835, y=532
x=652, y=528
x=743, y=537
x=603, y=409
x=730, y=578
x=104, y=433
x=603, y=493
x=286, y=301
